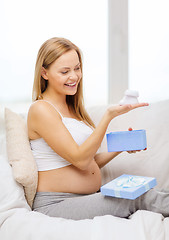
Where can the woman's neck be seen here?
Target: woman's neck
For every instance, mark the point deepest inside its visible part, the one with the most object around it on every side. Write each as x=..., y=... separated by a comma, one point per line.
x=56, y=99
x=60, y=103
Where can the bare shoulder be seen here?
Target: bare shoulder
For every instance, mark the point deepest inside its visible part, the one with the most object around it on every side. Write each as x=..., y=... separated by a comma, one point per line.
x=39, y=106
x=41, y=114
x=41, y=109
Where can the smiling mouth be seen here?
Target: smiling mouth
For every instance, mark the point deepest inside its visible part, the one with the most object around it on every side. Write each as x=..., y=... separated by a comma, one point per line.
x=71, y=84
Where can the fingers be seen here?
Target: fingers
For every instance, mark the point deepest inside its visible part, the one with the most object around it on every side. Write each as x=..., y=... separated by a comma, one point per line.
x=137, y=105
x=117, y=110
x=132, y=151
x=128, y=107
x=135, y=151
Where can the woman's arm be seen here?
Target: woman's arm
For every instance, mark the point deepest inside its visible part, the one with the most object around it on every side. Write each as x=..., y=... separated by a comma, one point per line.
x=48, y=125
x=105, y=157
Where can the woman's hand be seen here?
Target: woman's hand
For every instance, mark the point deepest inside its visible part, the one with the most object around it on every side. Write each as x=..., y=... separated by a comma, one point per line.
x=134, y=151
x=117, y=110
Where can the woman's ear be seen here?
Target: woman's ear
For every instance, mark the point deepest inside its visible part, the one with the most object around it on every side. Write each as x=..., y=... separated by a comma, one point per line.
x=44, y=73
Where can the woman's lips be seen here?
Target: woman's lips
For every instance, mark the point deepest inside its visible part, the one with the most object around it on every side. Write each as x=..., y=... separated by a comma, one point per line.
x=71, y=84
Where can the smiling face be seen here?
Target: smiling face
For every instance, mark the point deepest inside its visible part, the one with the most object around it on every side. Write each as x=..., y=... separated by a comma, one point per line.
x=64, y=74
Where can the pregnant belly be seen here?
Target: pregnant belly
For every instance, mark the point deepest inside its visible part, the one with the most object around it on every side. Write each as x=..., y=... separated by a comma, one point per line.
x=70, y=179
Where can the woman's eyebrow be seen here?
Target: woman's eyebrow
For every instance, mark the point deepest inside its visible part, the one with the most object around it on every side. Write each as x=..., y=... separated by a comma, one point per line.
x=69, y=67
x=65, y=68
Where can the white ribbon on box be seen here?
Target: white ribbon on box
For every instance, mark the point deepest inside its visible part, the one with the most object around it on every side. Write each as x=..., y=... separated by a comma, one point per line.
x=129, y=182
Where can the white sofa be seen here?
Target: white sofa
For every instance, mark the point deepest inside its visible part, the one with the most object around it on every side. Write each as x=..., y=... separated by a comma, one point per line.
x=17, y=221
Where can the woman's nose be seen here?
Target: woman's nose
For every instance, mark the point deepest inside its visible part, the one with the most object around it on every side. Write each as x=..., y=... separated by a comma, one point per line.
x=73, y=76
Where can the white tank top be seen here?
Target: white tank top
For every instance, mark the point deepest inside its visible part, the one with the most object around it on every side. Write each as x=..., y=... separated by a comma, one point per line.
x=46, y=158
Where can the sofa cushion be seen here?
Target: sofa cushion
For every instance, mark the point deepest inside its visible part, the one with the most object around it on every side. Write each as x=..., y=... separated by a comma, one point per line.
x=153, y=162
x=20, y=155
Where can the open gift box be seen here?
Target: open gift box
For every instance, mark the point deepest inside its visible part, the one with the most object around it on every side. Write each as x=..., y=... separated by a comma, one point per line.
x=126, y=140
x=128, y=186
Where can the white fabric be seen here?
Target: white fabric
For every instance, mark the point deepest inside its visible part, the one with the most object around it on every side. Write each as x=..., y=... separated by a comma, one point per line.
x=46, y=158
x=17, y=221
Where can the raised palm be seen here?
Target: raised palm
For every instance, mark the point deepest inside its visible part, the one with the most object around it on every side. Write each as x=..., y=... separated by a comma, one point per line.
x=117, y=110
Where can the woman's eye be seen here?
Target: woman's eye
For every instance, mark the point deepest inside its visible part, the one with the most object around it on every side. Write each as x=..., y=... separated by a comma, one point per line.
x=64, y=72
x=76, y=69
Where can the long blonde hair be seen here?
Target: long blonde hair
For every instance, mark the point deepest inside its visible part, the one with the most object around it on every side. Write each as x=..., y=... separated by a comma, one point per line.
x=51, y=50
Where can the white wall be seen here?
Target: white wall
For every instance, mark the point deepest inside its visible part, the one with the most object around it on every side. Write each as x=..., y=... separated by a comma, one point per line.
x=25, y=25
x=149, y=48
x=139, y=58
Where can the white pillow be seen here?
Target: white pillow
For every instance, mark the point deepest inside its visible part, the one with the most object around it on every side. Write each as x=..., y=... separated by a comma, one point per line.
x=12, y=194
x=20, y=155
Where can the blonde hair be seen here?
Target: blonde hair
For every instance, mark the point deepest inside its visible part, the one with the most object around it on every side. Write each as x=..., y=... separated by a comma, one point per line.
x=51, y=50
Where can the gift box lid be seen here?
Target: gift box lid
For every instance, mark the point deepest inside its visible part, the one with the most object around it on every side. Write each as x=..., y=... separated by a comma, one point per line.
x=126, y=140
x=128, y=186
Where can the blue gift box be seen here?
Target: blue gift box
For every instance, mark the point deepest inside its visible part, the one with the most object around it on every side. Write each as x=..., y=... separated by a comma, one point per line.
x=126, y=140
x=128, y=186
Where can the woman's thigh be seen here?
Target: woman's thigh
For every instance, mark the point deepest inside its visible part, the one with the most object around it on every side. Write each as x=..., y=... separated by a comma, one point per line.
x=74, y=206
